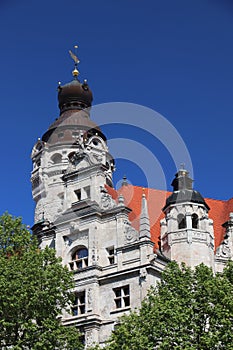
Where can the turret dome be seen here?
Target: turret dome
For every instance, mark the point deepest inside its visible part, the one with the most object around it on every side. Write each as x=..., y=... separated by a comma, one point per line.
x=183, y=191
x=74, y=95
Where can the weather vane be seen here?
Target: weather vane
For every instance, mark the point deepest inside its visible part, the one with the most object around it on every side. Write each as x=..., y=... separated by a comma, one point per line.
x=76, y=61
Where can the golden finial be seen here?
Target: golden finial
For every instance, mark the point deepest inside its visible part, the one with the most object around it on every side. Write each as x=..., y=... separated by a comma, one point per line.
x=75, y=72
x=143, y=192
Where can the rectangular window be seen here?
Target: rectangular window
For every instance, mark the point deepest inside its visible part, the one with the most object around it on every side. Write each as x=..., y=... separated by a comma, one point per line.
x=78, y=194
x=111, y=255
x=87, y=192
x=79, y=307
x=122, y=297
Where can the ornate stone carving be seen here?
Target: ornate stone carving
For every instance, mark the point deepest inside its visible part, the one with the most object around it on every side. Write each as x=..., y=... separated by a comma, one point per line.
x=224, y=250
x=76, y=157
x=74, y=227
x=96, y=158
x=142, y=273
x=106, y=200
x=131, y=235
x=93, y=257
x=89, y=298
x=89, y=338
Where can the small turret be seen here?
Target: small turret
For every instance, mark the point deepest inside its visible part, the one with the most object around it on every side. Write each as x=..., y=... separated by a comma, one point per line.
x=187, y=232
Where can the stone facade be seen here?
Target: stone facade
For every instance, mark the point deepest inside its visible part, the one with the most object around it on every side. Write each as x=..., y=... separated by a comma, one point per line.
x=113, y=263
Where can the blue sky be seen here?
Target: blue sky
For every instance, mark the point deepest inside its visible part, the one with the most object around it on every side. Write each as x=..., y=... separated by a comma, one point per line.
x=174, y=57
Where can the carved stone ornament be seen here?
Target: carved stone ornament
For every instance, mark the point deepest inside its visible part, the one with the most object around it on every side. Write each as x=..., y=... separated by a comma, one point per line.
x=40, y=210
x=224, y=250
x=142, y=274
x=106, y=200
x=78, y=156
x=94, y=257
x=74, y=227
x=96, y=158
x=89, y=298
x=89, y=338
x=131, y=235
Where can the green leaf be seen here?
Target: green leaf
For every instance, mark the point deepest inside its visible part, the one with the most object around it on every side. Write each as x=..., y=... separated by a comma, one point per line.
x=34, y=288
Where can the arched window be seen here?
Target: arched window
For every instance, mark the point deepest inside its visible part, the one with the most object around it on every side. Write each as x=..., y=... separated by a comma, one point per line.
x=194, y=221
x=181, y=221
x=56, y=158
x=79, y=259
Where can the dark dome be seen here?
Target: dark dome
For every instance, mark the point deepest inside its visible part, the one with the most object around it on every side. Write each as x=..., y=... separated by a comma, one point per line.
x=185, y=195
x=183, y=191
x=74, y=95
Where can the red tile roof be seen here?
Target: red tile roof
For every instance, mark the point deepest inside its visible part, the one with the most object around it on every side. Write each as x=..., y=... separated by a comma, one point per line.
x=219, y=209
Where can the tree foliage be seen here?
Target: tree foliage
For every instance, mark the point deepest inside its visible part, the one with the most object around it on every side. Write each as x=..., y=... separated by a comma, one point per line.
x=34, y=288
x=188, y=310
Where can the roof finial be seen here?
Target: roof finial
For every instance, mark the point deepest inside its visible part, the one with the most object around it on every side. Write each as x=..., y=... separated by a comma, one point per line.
x=75, y=72
x=182, y=166
x=124, y=181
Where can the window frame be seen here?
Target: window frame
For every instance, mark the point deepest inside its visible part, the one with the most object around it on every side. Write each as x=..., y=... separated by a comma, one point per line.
x=79, y=262
x=111, y=255
x=79, y=306
x=122, y=297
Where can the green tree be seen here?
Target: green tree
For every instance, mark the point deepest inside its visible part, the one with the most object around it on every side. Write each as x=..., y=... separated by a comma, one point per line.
x=34, y=288
x=188, y=310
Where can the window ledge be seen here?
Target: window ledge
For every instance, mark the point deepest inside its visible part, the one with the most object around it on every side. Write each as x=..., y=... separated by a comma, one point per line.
x=109, y=266
x=122, y=309
x=74, y=317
